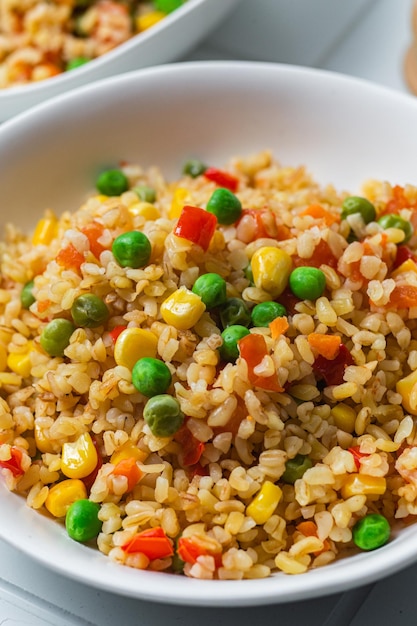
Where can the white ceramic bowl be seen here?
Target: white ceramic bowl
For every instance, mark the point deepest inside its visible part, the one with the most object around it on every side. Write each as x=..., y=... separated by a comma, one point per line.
x=167, y=41
x=343, y=129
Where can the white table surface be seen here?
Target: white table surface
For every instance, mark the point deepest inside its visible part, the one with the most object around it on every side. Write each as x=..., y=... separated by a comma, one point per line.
x=363, y=38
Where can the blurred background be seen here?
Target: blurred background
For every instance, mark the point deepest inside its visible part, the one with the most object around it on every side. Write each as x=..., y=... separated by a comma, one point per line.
x=364, y=38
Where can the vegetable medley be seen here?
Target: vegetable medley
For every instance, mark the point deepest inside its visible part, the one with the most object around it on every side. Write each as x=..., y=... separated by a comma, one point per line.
x=40, y=39
x=215, y=376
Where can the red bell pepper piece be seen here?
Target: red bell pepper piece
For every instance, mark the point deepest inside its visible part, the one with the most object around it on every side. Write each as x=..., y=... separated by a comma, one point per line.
x=196, y=225
x=357, y=455
x=222, y=179
x=288, y=300
x=153, y=543
x=14, y=464
x=253, y=349
x=116, y=332
x=332, y=370
x=197, y=470
x=403, y=254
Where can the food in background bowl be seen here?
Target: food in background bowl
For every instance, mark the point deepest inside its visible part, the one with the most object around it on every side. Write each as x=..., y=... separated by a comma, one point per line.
x=39, y=39
x=215, y=375
x=169, y=39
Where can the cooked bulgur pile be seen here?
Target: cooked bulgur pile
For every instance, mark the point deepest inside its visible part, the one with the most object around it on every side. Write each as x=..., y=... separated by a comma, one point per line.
x=40, y=39
x=215, y=376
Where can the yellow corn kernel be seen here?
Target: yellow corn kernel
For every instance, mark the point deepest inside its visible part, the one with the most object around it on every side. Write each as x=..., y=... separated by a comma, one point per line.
x=9, y=378
x=408, y=266
x=63, y=494
x=271, y=268
x=363, y=484
x=133, y=344
x=45, y=231
x=145, y=21
x=177, y=204
x=3, y=358
x=127, y=451
x=182, y=309
x=145, y=209
x=19, y=362
x=344, y=417
x=264, y=503
x=407, y=388
x=78, y=459
x=100, y=197
x=43, y=444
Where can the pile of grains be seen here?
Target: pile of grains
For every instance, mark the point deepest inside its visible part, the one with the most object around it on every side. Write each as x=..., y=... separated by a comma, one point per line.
x=283, y=433
x=40, y=39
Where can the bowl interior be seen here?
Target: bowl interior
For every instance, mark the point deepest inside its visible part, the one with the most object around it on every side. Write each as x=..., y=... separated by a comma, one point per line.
x=340, y=128
x=344, y=130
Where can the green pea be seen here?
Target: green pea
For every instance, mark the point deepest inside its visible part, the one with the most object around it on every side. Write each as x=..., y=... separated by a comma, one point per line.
x=307, y=283
x=55, y=337
x=151, y=377
x=357, y=204
x=225, y=206
x=112, y=183
x=145, y=193
x=167, y=6
x=295, y=468
x=177, y=563
x=132, y=249
x=82, y=522
x=77, y=62
x=265, y=312
x=26, y=295
x=229, y=350
x=211, y=288
x=249, y=274
x=235, y=311
x=194, y=168
x=371, y=531
x=395, y=221
x=163, y=415
x=89, y=311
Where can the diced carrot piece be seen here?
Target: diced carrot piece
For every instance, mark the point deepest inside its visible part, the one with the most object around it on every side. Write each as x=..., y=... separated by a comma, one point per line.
x=309, y=529
x=93, y=232
x=278, y=327
x=318, y=212
x=404, y=296
x=326, y=345
x=128, y=468
x=70, y=258
x=43, y=305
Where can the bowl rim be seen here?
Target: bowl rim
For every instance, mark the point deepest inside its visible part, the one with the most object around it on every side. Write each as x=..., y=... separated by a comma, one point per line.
x=179, y=67
x=196, y=592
